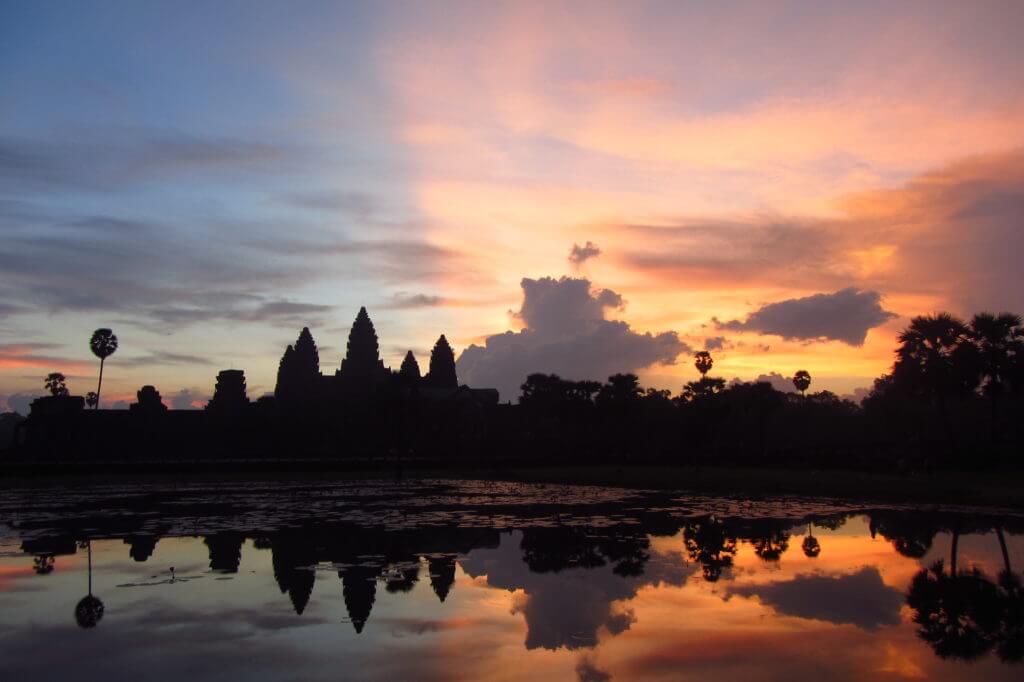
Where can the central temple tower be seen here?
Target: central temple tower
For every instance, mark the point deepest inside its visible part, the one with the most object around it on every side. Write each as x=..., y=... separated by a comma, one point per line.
x=362, y=360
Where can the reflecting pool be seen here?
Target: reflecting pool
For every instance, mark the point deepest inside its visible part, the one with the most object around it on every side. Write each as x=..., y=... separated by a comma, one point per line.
x=445, y=580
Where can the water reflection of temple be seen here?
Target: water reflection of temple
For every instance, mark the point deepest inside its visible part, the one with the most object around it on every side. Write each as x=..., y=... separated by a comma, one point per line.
x=365, y=558
x=577, y=579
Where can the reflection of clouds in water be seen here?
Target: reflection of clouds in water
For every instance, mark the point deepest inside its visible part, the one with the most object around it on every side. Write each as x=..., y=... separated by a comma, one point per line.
x=241, y=621
x=137, y=642
x=563, y=610
x=860, y=598
x=587, y=671
x=403, y=626
x=567, y=608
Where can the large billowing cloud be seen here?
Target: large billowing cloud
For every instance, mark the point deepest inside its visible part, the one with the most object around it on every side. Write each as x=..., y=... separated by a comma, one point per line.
x=565, y=333
x=845, y=316
x=189, y=399
x=567, y=608
x=777, y=381
x=18, y=402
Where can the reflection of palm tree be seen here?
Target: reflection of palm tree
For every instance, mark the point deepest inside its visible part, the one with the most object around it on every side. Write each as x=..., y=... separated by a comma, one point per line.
x=910, y=536
x=707, y=543
x=772, y=545
x=1011, y=618
x=810, y=545
x=89, y=610
x=963, y=614
x=102, y=344
x=1011, y=612
x=1002, y=549
x=956, y=613
x=43, y=564
x=802, y=381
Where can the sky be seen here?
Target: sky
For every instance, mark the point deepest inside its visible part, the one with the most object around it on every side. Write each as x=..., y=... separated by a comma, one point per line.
x=580, y=188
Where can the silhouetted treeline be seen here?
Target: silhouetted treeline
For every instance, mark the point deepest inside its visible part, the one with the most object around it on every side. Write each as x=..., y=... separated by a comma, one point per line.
x=954, y=398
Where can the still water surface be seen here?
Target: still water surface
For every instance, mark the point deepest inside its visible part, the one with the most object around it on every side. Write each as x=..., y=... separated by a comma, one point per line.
x=436, y=580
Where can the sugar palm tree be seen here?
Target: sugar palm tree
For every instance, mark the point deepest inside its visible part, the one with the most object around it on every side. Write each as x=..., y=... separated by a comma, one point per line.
x=102, y=344
x=703, y=362
x=810, y=545
x=802, y=381
x=937, y=357
x=930, y=349
x=1000, y=342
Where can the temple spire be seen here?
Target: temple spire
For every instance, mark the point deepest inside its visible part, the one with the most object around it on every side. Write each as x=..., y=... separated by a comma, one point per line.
x=362, y=360
x=410, y=370
x=442, y=366
x=306, y=354
x=298, y=374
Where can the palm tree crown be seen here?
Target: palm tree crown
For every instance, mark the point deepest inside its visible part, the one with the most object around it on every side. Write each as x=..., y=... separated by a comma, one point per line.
x=936, y=353
x=802, y=380
x=703, y=362
x=1000, y=342
x=103, y=343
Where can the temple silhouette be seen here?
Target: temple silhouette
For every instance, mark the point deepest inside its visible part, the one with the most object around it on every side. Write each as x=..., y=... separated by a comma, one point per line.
x=301, y=383
x=361, y=409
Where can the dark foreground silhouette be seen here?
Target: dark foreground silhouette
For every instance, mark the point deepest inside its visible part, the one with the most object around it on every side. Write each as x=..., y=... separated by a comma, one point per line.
x=954, y=399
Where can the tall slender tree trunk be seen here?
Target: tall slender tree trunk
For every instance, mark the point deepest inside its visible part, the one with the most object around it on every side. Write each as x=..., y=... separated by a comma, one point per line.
x=947, y=424
x=1002, y=548
x=952, y=553
x=994, y=404
x=99, y=386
